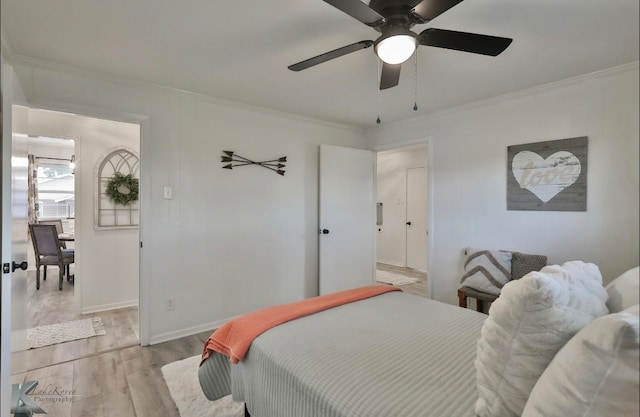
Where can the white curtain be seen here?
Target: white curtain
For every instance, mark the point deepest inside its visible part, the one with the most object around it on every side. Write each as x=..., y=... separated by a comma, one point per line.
x=33, y=188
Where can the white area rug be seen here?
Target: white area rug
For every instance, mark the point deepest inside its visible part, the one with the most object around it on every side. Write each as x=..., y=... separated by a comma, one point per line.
x=394, y=279
x=64, y=332
x=182, y=380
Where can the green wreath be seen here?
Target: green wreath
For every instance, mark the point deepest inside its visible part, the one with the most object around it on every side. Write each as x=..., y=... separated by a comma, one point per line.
x=123, y=189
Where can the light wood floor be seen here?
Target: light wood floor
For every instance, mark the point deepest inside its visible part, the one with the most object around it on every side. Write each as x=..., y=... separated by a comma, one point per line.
x=102, y=376
x=419, y=288
x=48, y=305
x=125, y=382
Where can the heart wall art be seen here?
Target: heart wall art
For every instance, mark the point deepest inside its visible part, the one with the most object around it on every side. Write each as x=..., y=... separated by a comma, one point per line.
x=548, y=176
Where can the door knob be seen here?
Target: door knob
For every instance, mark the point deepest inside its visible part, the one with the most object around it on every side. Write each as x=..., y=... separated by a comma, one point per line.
x=408, y=223
x=22, y=265
x=324, y=231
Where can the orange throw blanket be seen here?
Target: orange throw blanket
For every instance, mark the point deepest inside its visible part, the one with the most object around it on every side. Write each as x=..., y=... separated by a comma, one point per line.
x=234, y=338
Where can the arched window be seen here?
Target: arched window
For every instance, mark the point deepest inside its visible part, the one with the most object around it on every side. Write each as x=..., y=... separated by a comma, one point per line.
x=109, y=214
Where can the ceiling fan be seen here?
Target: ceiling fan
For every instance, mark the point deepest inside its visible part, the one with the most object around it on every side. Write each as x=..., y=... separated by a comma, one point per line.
x=397, y=43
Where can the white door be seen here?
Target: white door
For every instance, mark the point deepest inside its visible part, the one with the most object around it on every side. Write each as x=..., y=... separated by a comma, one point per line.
x=14, y=253
x=417, y=218
x=347, y=218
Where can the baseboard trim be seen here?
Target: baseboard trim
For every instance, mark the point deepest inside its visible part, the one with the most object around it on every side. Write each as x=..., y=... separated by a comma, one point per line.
x=401, y=265
x=189, y=331
x=112, y=306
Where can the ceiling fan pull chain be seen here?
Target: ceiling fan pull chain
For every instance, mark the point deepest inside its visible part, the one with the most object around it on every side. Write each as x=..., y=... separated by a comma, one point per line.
x=378, y=74
x=415, y=73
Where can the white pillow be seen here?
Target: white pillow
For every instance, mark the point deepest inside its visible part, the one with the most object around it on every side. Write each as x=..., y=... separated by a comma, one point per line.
x=486, y=270
x=527, y=325
x=624, y=291
x=596, y=373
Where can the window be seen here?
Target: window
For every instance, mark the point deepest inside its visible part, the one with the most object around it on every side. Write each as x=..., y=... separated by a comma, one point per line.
x=56, y=190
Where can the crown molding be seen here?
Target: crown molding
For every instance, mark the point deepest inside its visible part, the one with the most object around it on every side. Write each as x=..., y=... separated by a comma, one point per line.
x=159, y=88
x=632, y=66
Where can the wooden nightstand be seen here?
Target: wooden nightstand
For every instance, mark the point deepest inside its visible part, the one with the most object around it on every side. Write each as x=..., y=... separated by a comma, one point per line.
x=480, y=297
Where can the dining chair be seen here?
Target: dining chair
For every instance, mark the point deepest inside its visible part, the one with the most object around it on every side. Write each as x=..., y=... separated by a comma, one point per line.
x=48, y=251
x=59, y=228
x=63, y=244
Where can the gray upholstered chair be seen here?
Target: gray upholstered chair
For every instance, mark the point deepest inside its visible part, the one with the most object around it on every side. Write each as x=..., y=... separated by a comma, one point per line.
x=48, y=251
x=63, y=244
x=59, y=228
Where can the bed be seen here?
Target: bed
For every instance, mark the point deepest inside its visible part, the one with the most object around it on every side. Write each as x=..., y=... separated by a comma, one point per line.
x=556, y=342
x=394, y=354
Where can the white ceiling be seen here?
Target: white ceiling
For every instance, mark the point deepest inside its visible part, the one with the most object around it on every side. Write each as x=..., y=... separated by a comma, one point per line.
x=240, y=50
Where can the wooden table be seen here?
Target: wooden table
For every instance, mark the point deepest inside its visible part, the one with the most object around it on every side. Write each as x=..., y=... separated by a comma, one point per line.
x=66, y=237
x=480, y=297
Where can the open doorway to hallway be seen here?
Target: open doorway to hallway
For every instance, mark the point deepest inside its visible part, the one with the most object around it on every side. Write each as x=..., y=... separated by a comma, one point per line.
x=402, y=226
x=106, y=266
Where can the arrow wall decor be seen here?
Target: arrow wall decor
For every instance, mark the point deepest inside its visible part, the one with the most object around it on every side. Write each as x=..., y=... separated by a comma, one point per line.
x=236, y=160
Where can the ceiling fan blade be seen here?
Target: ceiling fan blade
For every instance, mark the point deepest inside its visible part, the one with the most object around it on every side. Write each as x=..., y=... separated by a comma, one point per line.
x=358, y=10
x=336, y=53
x=428, y=10
x=390, y=75
x=463, y=41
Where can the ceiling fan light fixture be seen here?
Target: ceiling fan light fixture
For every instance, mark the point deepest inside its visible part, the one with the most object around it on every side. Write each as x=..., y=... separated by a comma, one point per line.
x=396, y=48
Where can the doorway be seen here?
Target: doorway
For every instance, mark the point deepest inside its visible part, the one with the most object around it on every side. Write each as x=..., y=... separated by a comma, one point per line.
x=51, y=186
x=106, y=267
x=401, y=228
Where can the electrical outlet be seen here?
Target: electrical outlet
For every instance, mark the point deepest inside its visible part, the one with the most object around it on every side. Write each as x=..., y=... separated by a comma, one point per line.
x=170, y=303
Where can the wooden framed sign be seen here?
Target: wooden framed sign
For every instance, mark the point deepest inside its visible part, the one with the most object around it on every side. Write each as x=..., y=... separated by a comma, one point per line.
x=548, y=176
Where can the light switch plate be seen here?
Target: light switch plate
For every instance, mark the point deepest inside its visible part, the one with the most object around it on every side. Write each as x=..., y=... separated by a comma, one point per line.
x=168, y=192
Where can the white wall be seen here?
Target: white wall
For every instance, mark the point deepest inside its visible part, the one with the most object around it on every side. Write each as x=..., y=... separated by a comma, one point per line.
x=468, y=157
x=392, y=193
x=51, y=150
x=106, y=262
x=230, y=241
